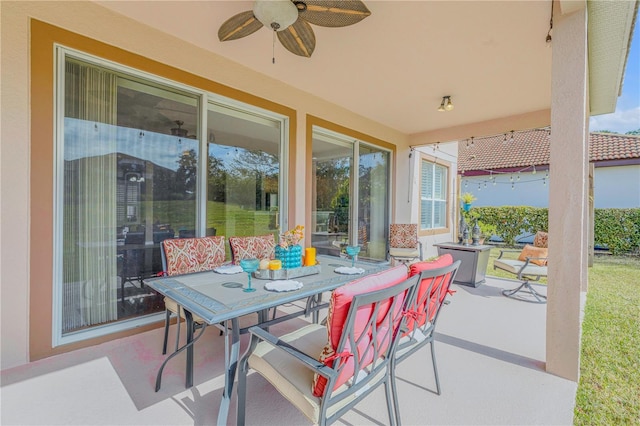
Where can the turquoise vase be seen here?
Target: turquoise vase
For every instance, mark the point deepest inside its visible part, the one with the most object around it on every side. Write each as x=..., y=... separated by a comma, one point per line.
x=466, y=206
x=290, y=257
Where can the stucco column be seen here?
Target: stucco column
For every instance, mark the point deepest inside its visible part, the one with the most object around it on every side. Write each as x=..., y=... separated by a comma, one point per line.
x=568, y=193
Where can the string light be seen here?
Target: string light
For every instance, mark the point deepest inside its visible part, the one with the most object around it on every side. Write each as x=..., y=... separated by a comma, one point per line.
x=515, y=177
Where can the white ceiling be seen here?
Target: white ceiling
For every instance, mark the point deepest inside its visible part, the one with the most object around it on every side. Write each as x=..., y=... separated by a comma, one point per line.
x=394, y=66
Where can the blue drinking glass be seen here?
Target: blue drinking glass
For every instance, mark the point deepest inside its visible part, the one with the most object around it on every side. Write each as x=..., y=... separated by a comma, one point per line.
x=353, y=252
x=249, y=266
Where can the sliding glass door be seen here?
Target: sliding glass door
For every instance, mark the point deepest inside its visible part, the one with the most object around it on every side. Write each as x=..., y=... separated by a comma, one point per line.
x=373, y=201
x=130, y=173
x=350, y=195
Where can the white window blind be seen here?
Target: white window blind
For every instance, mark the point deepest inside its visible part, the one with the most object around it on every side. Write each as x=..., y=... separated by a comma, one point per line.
x=433, y=195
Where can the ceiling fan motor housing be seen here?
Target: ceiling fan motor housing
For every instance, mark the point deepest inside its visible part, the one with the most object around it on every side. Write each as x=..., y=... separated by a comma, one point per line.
x=275, y=14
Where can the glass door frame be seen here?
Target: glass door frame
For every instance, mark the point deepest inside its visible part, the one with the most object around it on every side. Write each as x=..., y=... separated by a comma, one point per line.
x=204, y=97
x=357, y=140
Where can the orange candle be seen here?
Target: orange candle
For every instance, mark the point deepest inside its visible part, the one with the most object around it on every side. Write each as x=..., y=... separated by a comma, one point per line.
x=274, y=265
x=310, y=256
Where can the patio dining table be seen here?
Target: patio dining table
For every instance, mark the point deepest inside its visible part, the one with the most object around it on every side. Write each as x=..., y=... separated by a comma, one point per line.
x=219, y=299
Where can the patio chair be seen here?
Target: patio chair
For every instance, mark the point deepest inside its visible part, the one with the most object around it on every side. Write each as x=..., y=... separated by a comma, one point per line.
x=404, y=245
x=435, y=281
x=531, y=265
x=252, y=247
x=183, y=256
x=324, y=379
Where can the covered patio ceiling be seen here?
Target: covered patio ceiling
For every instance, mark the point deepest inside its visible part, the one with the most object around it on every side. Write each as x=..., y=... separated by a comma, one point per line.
x=395, y=66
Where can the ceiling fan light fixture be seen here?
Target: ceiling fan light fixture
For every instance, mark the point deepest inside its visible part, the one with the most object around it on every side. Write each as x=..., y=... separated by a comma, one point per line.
x=446, y=104
x=449, y=105
x=275, y=14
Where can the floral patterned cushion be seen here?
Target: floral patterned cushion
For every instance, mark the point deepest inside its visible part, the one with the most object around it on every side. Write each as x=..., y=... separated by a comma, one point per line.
x=255, y=247
x=185, y=255
x=541, y=239
x=338, y=311
x=403, y=235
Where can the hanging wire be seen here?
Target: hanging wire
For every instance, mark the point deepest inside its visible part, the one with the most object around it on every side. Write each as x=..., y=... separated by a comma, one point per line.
x=508, y=136
x=548, y=39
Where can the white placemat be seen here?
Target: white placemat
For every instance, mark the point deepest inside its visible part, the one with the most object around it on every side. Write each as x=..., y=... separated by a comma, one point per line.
x=348, y=270
x=283, y=285
x=228, y=269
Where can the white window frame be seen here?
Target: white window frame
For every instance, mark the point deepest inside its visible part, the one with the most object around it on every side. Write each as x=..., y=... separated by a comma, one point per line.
x=433, y=165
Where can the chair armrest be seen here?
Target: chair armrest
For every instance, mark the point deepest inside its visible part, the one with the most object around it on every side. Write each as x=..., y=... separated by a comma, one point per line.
x=526, y=263
x=312, y=363
x=503, y=251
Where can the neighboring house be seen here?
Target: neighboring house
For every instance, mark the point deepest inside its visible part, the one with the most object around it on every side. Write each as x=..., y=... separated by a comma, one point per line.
x=504, y=171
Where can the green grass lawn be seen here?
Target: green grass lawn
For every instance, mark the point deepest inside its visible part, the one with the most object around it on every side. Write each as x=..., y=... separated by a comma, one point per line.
x=609, y=388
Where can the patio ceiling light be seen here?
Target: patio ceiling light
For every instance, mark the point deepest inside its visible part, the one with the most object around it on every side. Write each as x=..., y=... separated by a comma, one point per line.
x=446, y=104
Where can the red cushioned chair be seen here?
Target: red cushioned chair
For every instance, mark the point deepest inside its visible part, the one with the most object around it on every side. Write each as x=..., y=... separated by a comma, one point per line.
x=435, y=279
x=368, y=314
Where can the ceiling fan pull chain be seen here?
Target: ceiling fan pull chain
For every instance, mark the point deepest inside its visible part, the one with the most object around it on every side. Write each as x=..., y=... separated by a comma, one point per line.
x=273, y=49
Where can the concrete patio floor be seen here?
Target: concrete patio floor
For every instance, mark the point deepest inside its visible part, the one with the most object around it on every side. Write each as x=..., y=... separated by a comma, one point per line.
x=490, y=352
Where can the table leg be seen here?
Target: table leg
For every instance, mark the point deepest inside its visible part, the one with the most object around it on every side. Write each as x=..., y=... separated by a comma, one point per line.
x=189, y=369
x=231, y=355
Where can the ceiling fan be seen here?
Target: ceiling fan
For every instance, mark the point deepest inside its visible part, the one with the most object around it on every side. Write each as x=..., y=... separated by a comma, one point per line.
x=290, y=20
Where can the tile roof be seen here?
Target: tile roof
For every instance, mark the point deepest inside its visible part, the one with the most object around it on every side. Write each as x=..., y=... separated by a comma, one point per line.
x=532, y=148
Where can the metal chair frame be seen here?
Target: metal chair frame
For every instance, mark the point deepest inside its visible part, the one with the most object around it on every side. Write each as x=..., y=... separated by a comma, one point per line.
x=525, y=276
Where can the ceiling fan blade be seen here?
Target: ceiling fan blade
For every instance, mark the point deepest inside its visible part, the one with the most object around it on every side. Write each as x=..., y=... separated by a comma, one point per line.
x=238, y=26
x=333, y=13
x=298, y=38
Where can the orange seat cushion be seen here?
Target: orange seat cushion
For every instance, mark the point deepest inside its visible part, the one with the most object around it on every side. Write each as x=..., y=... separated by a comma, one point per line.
x=532, y=252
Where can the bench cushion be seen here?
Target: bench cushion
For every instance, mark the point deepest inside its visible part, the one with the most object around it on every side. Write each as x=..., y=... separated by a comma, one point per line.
x=514, y=266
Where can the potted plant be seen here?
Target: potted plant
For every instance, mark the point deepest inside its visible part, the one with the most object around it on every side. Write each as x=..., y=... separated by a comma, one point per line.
x=467, y=198
x=486, y=231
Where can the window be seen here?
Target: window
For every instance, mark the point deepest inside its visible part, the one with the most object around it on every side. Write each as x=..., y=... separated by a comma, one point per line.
x=433, y=195
x=139, y=161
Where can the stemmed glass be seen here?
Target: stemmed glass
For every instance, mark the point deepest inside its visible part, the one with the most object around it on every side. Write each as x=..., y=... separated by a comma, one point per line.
x=353, y=252
x=249, y=266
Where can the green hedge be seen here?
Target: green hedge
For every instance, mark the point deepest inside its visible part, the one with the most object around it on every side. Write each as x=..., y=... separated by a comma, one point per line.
x=616, y=229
